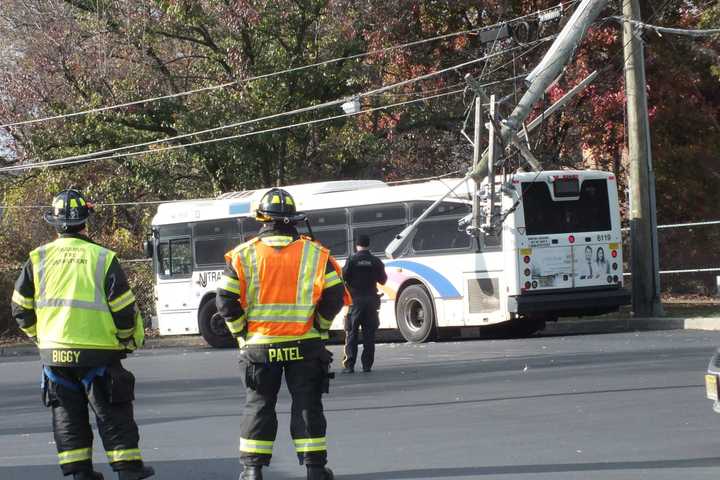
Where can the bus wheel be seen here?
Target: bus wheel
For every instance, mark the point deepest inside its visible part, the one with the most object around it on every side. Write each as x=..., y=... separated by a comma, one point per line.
x=213, y=328
x=415, y=314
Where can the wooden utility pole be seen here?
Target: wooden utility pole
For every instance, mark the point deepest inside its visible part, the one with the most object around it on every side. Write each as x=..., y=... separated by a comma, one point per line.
x=643, y=219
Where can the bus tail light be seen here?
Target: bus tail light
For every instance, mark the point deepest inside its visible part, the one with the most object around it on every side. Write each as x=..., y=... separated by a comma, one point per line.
x=528, y=285
x=614, y=265
x=526, y=259
x=527, y=272
x=614, y=253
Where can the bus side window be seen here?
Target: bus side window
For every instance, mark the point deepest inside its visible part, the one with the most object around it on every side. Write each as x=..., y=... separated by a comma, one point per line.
x=211, y=251
x=440, y=235
x=250, y=228
x=492, y=241
x=325, y=218
x=334, y=240
x=380, y=236
x=214, y=228
x=379, y=213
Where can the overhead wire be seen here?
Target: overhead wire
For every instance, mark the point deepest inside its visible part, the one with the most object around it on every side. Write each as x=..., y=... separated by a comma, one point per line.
x=67, y=160
x=154, y=202
x=672, y=31
x=242, y=135
x=277, y=73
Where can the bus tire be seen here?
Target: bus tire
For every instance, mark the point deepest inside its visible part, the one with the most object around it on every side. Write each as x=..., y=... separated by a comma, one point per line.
x=212, y=326
x=416, y=314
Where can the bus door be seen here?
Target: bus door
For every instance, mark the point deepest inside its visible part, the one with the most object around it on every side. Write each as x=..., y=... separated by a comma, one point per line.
x=174, y=286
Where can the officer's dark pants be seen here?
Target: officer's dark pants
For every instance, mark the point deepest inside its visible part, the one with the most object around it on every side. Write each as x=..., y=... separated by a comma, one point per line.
x=110, y=397
x=306, y=381
x=363, y=315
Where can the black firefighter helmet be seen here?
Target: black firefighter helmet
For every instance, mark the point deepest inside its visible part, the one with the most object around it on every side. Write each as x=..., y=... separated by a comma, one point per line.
x=69, y=209
x=277, y=205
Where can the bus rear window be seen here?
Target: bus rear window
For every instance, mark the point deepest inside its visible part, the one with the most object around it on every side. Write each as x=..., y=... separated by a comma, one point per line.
x=589, y=213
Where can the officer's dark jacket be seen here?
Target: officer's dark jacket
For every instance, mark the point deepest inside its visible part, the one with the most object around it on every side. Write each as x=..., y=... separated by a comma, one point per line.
x=121, y=307
x=330, y=303
x=362, y=272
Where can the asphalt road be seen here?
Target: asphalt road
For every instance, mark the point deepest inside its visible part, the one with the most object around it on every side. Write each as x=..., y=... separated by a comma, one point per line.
x=613, y=406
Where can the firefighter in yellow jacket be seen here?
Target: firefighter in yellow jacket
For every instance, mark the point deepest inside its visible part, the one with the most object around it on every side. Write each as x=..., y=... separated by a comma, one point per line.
x=278, y=295
x=73, y=299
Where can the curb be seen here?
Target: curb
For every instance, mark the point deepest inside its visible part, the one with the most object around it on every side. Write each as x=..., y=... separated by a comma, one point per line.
x=570, y=326
x=18, y=351
x=616, y=325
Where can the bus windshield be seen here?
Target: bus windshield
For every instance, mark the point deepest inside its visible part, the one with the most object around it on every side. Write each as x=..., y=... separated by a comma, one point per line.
x=589, y=213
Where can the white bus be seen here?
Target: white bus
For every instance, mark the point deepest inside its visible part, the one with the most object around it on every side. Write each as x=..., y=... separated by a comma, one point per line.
x=558, y=252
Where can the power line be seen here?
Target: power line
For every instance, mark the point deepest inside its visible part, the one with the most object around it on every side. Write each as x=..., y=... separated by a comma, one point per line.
x=232, y=137
x=156, y=202
x=68, y=160
x=533, y=46
x=281, y=72
x=672, y=31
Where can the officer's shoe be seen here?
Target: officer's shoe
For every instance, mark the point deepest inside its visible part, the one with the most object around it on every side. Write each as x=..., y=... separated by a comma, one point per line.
x=88, y=476
x=251, y=472
x=316, y=472
x=136, y=473
x=348, y=370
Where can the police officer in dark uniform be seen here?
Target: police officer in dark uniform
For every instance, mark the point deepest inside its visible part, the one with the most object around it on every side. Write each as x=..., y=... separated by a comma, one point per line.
x=362, y=272
x=278, y=296
x=73, y=300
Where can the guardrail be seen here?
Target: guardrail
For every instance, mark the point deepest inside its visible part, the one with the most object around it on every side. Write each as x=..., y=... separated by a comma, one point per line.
x=686, y=270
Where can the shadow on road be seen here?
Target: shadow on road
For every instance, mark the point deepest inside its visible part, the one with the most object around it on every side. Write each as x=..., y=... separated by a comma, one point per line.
x=225, y=468
x=475, y=472
x=142, y=421
x=202, y=469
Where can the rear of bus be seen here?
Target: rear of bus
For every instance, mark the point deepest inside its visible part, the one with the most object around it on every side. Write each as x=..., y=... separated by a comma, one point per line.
x=567, y=245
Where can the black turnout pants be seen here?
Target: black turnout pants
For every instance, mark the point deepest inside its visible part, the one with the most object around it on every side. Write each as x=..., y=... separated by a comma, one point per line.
x=307, y=380
x=363, y=315
x=109, y=394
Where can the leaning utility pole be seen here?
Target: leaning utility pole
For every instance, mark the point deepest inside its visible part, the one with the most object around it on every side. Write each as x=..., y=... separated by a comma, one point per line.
x=643, y=220
x=543, y=75
x=539, y=80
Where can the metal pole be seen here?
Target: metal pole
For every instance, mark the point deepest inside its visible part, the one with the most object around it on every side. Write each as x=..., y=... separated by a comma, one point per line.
x=643, y=221
x=492, y=154
x=475, y=225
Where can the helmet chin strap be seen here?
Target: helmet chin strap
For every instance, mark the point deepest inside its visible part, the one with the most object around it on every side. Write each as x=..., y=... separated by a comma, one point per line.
x=67, y=209
x=309, y=229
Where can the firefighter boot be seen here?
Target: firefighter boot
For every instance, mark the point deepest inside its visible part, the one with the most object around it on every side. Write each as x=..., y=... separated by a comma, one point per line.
x=136, y=473
x=317, y=472
x=87, y=476
x=251, y=472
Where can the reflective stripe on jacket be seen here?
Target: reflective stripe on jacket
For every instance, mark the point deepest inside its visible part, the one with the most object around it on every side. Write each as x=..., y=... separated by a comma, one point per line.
x=279, y=289
x=74, y=321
